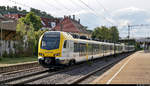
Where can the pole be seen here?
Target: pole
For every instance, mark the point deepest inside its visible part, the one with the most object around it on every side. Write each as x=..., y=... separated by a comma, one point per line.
x=128, y=35
x=61, y=26
x=1, y=39
x=114, y=43
x=129, y=31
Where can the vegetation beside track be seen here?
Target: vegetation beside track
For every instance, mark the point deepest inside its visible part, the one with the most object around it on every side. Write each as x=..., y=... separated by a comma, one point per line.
x=9, y=60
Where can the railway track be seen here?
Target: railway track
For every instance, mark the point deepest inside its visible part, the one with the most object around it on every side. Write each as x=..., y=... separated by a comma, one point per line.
x=69, y=76
x=35, y=76
x=92, y=73
x=19, y=66
x=13, y=72
x=48, y=73
x=78, y=80
x=20, y=77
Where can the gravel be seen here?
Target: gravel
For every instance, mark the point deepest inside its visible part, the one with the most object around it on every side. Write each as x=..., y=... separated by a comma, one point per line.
x=71, y=75
x=22, y=73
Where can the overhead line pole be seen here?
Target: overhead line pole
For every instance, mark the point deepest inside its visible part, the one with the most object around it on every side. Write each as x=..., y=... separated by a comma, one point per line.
x=130, y=27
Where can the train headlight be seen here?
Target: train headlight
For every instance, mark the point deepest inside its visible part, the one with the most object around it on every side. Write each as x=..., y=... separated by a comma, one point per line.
x=41, y=58
x=41, y=54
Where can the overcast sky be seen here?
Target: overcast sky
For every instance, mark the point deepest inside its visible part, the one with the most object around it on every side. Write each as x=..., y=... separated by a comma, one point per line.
x=104, y=12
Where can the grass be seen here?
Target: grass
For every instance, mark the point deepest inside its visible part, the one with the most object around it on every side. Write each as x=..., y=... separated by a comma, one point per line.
x=6, y=60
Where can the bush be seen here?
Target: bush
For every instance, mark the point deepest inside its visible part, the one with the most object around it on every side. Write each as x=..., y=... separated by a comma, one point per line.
x=5, y=54
x=11, y=54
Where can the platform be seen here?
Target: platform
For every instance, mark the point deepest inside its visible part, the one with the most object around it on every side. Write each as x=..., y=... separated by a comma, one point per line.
x=135, y=69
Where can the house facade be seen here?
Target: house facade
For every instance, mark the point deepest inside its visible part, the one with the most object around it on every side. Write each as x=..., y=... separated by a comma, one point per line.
x=8, y=34
x=68, y=24
x=47, y=23
x=8, y=30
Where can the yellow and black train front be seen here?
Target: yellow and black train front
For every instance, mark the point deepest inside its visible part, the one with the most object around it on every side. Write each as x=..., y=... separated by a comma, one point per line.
x=50, y=47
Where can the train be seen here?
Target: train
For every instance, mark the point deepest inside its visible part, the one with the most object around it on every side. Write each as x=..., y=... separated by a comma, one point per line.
x=57, y=48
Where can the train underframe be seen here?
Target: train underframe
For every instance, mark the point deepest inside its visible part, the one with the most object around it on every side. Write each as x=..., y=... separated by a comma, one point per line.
x=51, y=62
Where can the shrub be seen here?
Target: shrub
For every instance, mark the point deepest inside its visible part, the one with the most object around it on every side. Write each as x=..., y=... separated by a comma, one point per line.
x=11, y=54
x=5, y=54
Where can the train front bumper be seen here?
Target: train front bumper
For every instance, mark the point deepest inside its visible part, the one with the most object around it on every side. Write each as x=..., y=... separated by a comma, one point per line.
x=53, y=61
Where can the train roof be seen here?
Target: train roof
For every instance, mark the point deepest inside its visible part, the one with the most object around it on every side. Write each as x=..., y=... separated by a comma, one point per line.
x=69, y=37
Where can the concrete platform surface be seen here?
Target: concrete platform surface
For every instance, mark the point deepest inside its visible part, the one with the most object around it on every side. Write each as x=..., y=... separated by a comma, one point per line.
x=135, y=69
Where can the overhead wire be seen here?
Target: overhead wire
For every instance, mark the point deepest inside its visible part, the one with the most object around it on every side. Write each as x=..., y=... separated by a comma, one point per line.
x=77, y=5
x=62, y=5
x=55, y=6
x=95, y=12
x=81, y=7
x=15, y=2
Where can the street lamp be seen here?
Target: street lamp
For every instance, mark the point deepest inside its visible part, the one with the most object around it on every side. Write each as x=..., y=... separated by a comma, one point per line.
x=4, y=22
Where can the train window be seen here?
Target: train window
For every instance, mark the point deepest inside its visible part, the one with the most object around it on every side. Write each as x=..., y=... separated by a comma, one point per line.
x=65, y=44
x=76, y=47
x=50, y=42
x=83, y=49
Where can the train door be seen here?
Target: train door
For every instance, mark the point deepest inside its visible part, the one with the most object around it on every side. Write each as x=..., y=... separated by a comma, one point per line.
x=71, y=48
x=67, y=49
x=103, y=49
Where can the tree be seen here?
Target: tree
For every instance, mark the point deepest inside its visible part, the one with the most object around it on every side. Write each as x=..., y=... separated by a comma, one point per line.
x=27, y=32
x=15, y=9
x=114, y=34
x=101, y=33
x=32, y=19
x=104, y=33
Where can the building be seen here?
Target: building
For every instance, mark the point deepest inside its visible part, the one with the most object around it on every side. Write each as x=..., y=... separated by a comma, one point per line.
x=47, y=23
x=8, y=30
x=71, y=25
x=145, y=43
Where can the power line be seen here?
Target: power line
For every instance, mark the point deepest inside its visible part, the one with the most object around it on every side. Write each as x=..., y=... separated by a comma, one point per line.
x=94, y=11
x=62, y=5
x=102, y=7
x=130, y=27
x=76, y=5
x=98, y=2
x=20, y=3
x=46, y=2
x=15, y=2
x=66, y=7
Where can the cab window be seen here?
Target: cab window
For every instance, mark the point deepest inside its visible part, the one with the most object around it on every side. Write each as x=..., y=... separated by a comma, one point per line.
x=65, y=44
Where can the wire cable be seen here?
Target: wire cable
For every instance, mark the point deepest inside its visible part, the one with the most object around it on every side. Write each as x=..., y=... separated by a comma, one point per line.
x=95, y=12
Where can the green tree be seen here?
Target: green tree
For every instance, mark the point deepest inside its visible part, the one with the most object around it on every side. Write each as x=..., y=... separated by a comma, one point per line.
x=114, y=34
x=101, y=33
x=15, y=9
x=32, y=19
x=28, y=33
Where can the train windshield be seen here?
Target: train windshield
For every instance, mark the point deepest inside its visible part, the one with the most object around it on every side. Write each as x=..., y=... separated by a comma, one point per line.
x=50, y=41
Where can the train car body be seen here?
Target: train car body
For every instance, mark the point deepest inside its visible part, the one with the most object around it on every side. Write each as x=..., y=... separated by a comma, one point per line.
x=60, y=48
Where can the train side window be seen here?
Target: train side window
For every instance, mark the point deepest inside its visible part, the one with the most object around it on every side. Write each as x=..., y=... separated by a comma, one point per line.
x=65, y=44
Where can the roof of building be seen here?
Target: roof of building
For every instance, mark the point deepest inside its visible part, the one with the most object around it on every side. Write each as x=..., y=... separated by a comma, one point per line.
x=143, y=40
x=46, y=22
x=70, y=25
x=9, y=25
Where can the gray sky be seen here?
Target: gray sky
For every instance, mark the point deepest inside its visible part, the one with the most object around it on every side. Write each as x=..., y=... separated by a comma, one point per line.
x=106, y=12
